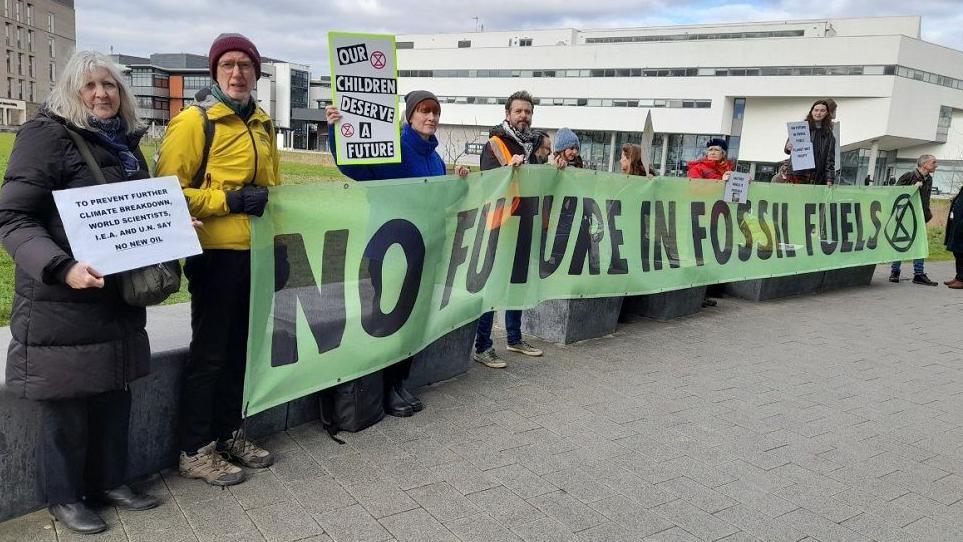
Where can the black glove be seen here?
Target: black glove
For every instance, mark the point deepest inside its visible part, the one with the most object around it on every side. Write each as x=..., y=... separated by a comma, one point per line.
x=250, y=200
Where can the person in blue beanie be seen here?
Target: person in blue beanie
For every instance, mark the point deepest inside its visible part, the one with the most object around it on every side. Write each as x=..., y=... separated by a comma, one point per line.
x=418, y=159
x=567, y=148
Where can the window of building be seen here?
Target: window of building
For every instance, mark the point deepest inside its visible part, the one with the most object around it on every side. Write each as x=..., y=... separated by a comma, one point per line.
x=160, y=81
x=7, y=34
x=50, y=22
x=19, y=38
x=32, y=94
x=23, y=89
x=30, y=15
x=145, y=102
x=6, y=13
x=51, y=47
x=21, y=64
x=405, y=45
x=943, y=123
x=31, y=67
x=140, y=77
x=160, y=104
x=19, y=9
x=30, y=40
x=10, y=87
x=464, y=44
x=52, y=71
x=300, y=88
x=525, y=42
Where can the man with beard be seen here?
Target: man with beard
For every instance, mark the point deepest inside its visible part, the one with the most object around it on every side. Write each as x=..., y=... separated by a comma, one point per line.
x=509, y=144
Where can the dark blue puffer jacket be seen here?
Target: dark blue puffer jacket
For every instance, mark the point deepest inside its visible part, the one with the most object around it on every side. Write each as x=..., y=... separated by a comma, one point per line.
x=418, y=159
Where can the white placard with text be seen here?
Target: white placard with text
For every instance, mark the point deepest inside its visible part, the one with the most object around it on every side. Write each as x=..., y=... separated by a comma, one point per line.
x=120, y=226
x=737, y=188
x=802, y=147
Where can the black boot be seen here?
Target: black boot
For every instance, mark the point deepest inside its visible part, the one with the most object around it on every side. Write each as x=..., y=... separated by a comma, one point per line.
x=124, y=497
x=395, y=405
x=77, y=517
x=414, y=402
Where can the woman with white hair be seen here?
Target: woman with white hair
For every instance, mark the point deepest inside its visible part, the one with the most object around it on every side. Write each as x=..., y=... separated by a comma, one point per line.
x=76, y=345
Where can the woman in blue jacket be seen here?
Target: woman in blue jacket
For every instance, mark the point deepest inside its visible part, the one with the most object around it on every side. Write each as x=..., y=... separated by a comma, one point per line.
x=418, y=159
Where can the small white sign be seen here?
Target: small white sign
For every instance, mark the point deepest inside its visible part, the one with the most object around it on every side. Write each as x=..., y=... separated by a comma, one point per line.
x=802, y=147
x=120, y=226
x=737, y=188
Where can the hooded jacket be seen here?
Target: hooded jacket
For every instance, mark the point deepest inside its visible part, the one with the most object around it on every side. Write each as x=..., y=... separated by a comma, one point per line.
x=418, y=159
x=241, y=153
x=66, y=343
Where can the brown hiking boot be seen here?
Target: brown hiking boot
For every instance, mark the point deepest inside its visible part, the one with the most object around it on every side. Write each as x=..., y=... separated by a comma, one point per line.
x=245, y=452
x=209, y=465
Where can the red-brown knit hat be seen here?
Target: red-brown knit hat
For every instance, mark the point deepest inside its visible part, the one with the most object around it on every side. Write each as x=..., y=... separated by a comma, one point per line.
x=233, y=42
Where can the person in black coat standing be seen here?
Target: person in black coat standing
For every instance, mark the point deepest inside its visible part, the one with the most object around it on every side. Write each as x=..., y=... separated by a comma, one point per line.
x=824, y=147
x=76, y=344
x=954, y=239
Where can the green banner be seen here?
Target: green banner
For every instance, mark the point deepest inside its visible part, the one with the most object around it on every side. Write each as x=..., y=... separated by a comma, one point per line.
x=348, y=278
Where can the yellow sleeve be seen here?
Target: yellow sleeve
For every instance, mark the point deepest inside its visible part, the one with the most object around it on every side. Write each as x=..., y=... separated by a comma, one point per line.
x=180, y=154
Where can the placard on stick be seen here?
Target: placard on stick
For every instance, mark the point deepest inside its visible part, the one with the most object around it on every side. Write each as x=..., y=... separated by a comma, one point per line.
x=119, y=226
x=365, y=90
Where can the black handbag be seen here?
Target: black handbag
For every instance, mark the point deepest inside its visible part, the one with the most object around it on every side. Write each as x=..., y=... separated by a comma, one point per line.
x=354, y=405
x=144, y=286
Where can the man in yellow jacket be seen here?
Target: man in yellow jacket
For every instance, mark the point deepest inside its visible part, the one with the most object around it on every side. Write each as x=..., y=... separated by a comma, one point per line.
x=224, y=152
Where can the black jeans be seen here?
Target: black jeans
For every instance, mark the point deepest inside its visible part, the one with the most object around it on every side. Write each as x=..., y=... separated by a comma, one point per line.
x=213, y=382
x=84, y=445
x=959, y=265
x=397, y=373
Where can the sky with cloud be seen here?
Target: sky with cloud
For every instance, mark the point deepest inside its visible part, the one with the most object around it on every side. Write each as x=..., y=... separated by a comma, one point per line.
x=296, y=30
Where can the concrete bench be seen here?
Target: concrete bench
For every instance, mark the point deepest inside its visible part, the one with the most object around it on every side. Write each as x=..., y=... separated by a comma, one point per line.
x=154, y=411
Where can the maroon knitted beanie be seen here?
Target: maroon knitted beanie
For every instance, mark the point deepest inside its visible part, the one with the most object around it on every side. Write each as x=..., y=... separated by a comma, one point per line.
x=233, y=42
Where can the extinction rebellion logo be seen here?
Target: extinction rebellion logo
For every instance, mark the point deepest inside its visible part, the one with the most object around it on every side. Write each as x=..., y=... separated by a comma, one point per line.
x=902, y=224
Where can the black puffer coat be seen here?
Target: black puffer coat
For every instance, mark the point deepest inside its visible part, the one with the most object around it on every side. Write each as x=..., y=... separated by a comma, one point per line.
x=66, y=343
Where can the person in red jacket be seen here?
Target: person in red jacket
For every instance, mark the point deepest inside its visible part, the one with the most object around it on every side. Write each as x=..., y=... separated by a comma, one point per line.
x=714, y=165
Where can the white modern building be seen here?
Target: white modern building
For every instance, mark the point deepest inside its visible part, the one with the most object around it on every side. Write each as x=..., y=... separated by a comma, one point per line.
x=898, y=96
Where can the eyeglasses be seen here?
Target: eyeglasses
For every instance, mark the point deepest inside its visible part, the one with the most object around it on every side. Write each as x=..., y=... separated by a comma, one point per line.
x=228, y=67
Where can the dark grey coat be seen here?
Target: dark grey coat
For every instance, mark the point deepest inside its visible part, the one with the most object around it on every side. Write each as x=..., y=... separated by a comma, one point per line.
x=66, y=343
x=954, y=225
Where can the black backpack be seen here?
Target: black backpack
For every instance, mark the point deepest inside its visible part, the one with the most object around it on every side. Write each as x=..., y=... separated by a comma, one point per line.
x=353, y=406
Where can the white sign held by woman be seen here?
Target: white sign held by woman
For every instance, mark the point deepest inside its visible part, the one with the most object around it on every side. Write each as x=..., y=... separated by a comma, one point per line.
x=737, y=188
x=802, y=146
x=120, y=226
x=365, y=89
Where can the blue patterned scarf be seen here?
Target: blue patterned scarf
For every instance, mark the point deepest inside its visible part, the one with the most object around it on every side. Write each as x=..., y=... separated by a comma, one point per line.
x=113, y=132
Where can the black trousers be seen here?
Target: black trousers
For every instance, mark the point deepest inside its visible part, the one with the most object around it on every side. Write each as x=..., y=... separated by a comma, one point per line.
x=84, y=445
x=213, y=382
x=397, y=373
x=959, y=265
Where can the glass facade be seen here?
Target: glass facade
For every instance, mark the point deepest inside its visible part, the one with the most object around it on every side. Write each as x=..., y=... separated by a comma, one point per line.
x=300, y=82
x=741, y=71
x=676, y=103
x=704, y=36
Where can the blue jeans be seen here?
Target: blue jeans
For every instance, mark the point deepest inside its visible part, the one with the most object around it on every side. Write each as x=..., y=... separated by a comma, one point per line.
x=917, y=267
x=513, y=324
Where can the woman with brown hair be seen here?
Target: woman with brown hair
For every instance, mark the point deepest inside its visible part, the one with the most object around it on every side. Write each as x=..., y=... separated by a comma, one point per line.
x=631, y=160
x=824, y=147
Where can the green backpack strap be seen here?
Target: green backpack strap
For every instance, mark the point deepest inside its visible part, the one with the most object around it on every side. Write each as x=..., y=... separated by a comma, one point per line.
x=88, y=156
x=198, y=179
